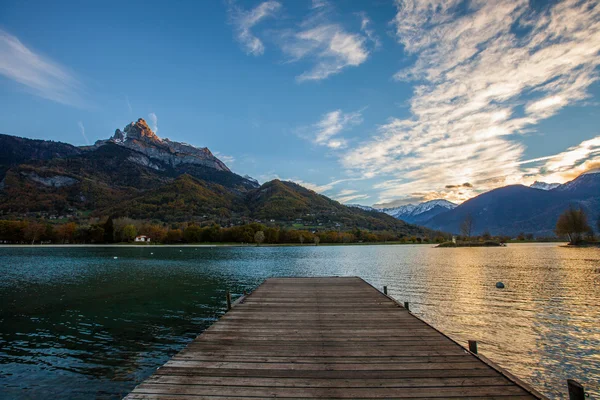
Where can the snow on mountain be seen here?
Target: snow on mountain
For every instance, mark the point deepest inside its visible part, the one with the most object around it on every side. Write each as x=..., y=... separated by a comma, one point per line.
x=416, y=209
x=544, y=185
x=366, y=208
x=413, y=212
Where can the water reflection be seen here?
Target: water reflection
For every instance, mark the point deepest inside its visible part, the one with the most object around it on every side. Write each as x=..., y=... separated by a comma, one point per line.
x=76, y=323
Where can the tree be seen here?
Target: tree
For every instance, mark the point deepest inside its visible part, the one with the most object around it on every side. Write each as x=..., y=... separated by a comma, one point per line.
x=192, y=234
x=109, y=231
x=317, y=240
x=66, y=232
x=301, y=237
x=467, y=226
x=129, y=233
x=572, y=223
x=259, y=237
x=34, y=231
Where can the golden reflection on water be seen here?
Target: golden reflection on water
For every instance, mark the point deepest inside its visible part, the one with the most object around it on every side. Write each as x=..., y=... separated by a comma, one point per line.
x=544, y=326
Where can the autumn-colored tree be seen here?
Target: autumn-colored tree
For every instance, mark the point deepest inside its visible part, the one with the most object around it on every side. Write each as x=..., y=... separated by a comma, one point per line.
x=316, y=239
x=572, y=223
x=34, y=231
x=66, y=232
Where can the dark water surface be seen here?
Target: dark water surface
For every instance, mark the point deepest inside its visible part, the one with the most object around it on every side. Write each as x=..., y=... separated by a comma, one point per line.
x=76, y=323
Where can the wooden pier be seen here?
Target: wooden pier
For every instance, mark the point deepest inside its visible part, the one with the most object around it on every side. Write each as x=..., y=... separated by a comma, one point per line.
x=334, y=338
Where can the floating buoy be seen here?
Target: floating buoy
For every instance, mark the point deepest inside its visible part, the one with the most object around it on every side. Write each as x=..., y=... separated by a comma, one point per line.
x=151, y=253
x=115, y=257
x=499, y=285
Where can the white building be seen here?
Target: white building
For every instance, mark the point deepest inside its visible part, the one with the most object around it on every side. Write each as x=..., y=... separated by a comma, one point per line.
x=142, y=238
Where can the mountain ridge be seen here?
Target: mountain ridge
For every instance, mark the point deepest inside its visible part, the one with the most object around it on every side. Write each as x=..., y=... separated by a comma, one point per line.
x=136, y=174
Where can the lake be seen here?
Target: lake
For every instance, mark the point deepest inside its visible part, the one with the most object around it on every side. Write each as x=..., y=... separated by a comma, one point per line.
x=77, y=323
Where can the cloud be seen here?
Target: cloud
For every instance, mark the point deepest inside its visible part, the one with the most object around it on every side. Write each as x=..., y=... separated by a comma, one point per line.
x=128, y=104
x=82, y=131
x=324, y=187
x=244, y=21
x=567, y=165
x=330, y=46
x=153, y=122
x=331, y=125
x=38, y=74
x=225, y=158
x=365, y=23
x=466, y=184
x=318, y=4
x=353, y=197
x=483, y=75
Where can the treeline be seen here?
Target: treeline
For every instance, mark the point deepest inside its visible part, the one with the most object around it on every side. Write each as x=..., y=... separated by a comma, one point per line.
x=124, y=230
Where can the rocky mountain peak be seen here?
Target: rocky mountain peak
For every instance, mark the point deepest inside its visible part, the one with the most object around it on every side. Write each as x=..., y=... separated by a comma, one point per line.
x=140, y=130
x=139, y=136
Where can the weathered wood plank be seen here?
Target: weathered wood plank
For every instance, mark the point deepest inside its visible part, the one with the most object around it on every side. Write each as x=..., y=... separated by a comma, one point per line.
x=318, y=338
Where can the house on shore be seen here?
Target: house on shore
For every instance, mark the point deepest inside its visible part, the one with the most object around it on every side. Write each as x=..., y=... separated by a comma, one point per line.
x=142, y=238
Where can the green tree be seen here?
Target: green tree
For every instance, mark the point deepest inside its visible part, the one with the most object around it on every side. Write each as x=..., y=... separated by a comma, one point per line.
x=259, y=237
x=129, y=233
x=572, y=223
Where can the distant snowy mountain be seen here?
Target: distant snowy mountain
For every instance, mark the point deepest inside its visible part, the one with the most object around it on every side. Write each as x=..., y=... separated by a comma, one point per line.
x=413, y=213
x=544, y=185
x=420, y=213
x=366, y=208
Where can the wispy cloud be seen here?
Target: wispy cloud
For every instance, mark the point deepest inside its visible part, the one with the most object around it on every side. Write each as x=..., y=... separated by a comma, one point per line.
x=128, y=105
x=478, y=86
x=324, y=187
x=326, y=131
x=244, y=21
x=225, y=158
x=153, y=122
x=318, y=4
x=328, y=45
x=568, y=164
x=38, y=74
x=82, y=131
x=365, y=26
x=347, y=195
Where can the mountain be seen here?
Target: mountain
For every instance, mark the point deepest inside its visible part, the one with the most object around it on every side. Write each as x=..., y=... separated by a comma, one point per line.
x=366, y=208
x=420, y=213
x=513, y=209
x=413, y=213
x=139, y=137
x=16, y=150
x=544, y=185
x=139, y=175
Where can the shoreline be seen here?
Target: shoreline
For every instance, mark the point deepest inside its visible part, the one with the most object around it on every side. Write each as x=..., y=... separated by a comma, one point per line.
x=213, y=245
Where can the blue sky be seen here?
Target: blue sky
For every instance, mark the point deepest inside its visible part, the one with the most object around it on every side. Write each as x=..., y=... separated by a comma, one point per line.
x=377, y=102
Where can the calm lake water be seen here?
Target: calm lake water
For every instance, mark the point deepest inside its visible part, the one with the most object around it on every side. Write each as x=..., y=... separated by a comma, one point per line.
x=77, y=323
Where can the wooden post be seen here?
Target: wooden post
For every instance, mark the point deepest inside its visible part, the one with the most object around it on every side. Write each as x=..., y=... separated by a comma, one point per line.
x=576, y=391
x=406, y=306
x=473, y=346
x=228, y=294
x=385, y=290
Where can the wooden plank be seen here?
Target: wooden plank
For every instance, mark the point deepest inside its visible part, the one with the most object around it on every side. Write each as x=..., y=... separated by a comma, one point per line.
x=331, y=337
